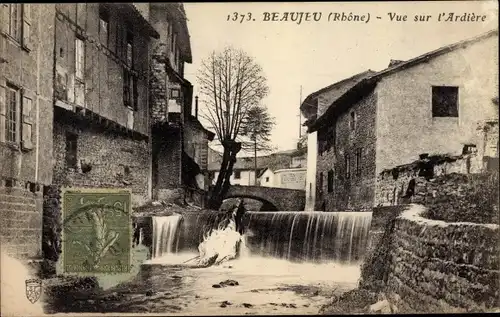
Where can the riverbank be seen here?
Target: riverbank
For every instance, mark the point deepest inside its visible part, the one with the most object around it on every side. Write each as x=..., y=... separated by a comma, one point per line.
x=264, y=286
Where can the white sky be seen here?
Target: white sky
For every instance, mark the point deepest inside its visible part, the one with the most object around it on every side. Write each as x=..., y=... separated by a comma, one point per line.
x=317, y=54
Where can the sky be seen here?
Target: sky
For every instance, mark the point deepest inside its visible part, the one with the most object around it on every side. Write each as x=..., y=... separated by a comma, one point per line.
x=315, y=54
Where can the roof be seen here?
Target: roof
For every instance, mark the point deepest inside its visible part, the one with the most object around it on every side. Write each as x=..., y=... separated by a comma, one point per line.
x=369, y=81
x=200, y=126
x=340, y=87
x=262, y=172
x=273, y=161
x=176, y=12
x=133, y=14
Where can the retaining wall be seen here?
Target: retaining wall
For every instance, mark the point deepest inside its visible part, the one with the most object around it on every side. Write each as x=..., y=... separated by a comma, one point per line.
x=434, y=264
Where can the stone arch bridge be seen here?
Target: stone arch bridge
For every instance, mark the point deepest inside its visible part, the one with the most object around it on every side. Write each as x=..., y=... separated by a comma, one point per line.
x=274, y=199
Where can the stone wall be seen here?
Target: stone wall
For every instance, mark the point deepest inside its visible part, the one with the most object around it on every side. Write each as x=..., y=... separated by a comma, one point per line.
x=435, y=266
x=283, y=199
x=167, y=165
x=394, y=186
x=21, y=221
x=114, y=161
x=353, y=190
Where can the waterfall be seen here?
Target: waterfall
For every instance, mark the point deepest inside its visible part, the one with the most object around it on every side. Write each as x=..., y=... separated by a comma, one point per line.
x=309, y=236
x=166, y=235
x=295, y=236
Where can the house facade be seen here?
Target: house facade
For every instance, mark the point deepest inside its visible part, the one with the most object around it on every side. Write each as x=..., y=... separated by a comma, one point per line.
x=101, y=89
x=180, y=142
x=291, y=178
x=437, y=103
x=196, y=138
x=244, y=171
x=26, y=114
x=319, y=142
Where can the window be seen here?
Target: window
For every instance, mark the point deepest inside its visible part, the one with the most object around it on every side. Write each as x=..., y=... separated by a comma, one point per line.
x=330, y=181
x=444, y=101
x=17, y=23
x=347, y=166
x=352, y=120
x=13, y=112
x=130, y=94
x=104, y=27
x=322, y=140
x=237, y=174
x=118, y=40
x=267, y=179
x=172, y=38
x=320, y=184
x=130, y=53
x=79, y=58
x=358, y=161
x=71, y=149
x=14, y=11
x=175, y=93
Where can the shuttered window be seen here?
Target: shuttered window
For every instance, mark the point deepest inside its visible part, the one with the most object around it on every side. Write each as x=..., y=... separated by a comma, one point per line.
x=15, y=21
x=12, y=97
x=79, y=58
x=14, y=11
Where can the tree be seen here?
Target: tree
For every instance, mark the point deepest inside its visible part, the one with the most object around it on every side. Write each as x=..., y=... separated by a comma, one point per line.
x=230, y=84
x=257, y=126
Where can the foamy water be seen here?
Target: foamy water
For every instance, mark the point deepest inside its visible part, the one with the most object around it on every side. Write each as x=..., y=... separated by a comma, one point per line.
x=13, y=289
x=265, y=266
x=267, y=284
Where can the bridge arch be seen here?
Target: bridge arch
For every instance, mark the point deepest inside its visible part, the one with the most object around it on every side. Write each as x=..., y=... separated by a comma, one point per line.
x=266, y=205
x=280, y=199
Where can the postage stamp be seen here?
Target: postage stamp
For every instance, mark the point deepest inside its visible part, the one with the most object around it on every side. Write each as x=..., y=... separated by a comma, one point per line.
x=97, y=231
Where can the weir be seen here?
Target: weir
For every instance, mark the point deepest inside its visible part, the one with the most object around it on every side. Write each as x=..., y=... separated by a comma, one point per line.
x=296, y=236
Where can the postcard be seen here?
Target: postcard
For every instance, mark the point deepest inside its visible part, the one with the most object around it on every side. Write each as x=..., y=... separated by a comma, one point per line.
x=249, y=158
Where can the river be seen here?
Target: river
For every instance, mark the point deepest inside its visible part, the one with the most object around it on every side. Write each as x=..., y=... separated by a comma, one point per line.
x=291, y=263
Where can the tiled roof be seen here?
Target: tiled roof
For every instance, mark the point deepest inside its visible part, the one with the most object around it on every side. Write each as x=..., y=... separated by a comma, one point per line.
x=274, y=161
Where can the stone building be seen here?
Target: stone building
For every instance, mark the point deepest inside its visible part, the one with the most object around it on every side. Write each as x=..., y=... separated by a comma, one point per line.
x=26, y=66
x=291, y=178
x=315, y=105
x=244, y=168
x=196, y=138
x=101, y=115
x=180, y=142
x=439, y=102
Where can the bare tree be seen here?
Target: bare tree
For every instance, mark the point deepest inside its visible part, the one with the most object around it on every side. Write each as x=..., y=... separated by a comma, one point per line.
x=230, y=83
x=257, y=126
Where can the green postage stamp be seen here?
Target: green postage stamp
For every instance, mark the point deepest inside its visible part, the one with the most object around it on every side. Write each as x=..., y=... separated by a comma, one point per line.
x=97, y=231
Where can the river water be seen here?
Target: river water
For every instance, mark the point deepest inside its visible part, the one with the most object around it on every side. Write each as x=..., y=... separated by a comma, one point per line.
x=290, y=263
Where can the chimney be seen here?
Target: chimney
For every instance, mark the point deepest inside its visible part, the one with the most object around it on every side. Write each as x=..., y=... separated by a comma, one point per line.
x=395, y=62
x=196, y=107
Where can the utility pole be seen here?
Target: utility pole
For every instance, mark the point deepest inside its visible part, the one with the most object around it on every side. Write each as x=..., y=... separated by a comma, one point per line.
x=255, y=159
